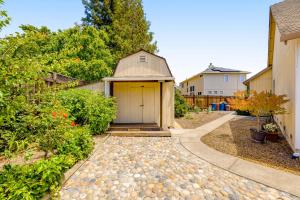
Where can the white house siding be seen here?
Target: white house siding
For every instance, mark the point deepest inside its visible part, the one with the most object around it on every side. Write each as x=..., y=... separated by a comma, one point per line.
x=284, y=82
x=216, y=82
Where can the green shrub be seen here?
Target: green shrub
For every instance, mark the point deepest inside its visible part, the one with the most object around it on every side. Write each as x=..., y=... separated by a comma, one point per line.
x=89, y=108
x=77, y=142
x=101, y=111
x=33, y=181
x=75, y=102
x=181, y=107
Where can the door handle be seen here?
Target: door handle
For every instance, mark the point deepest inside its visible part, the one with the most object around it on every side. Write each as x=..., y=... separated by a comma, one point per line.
x=141, y=105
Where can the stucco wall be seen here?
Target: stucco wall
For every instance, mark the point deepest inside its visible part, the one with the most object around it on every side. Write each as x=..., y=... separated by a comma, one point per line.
x=284, y=61
x=215, y=82
x=262, y=82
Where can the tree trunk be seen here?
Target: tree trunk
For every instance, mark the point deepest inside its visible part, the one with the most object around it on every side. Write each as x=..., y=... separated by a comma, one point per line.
x=258, y=123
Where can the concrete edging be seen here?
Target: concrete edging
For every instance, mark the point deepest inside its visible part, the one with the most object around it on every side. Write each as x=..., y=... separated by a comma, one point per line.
x=190, y=139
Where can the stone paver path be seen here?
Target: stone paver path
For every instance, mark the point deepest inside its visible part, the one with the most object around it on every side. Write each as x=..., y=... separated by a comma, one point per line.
x=157, y=168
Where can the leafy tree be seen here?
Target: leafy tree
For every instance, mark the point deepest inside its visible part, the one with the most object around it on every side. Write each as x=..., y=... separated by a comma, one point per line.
x=79, y=52
x=4, y=19
x=125, y=23
x=260, y=104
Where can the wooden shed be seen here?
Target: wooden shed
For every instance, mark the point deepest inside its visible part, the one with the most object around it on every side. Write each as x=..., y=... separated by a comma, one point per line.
x=143, y=86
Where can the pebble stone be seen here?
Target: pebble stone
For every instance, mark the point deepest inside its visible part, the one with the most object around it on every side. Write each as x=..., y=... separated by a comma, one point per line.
x=157, y=168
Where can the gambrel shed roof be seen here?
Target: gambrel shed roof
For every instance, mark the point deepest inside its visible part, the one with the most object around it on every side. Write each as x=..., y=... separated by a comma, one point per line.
x=142, y=66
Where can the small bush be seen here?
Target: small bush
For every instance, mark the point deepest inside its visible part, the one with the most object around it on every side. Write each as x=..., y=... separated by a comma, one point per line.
x=77, y=142
x=75, y=102
x=89, y=108
x=33, y=181
x=181, y=107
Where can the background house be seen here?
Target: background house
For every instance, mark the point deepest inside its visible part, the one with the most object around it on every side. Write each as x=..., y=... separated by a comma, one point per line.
x=262, y=81
x=214, y=81
x=143, y=86
x=284, y=65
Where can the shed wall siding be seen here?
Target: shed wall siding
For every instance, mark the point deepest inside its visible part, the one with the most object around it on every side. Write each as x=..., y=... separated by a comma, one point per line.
x=284, y=61
x=167, y=105
x=262, y=82
x=132, y=67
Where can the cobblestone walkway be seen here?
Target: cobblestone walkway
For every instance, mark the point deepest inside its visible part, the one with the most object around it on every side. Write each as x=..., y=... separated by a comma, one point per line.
x=157, y=168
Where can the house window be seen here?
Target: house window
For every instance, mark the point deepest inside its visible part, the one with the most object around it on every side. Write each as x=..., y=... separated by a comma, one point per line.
x=273, y=86
x=215, y=92
x=143, y=59
x=242, y=78
x=221, y=92
x=192, y=88
x=209, y=92
x=226, y=78
x=199, y=93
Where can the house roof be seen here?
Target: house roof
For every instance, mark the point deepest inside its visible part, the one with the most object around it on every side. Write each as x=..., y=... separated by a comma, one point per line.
x=287, y=17
x=217, y=70
x=246, y=82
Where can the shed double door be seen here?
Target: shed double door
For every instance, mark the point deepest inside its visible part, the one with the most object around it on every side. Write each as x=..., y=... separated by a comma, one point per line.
x=141, y=103
x=136, y=103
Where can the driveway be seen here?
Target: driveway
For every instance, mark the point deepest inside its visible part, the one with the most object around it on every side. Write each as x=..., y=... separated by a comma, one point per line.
x=157, y=168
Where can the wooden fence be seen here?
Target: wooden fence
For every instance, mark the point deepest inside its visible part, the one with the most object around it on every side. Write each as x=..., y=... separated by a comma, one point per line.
x=204, y=101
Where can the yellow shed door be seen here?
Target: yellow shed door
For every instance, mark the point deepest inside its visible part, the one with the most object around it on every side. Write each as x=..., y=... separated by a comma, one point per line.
x=136, y=103
x=148, y=104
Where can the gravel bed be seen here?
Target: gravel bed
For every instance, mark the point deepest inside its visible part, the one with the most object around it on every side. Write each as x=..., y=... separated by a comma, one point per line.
x=234, y=138
x=194, y=120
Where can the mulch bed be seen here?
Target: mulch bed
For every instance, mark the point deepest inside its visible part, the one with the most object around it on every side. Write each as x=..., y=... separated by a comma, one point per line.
x=234, y=138
x=194, y=120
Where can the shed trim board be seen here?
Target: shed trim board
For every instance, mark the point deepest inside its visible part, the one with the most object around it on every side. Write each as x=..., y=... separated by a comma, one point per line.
x=297, y=98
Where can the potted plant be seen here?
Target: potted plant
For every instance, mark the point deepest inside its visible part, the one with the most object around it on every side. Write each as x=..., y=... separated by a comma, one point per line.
x=272, y=132
x=259, y=104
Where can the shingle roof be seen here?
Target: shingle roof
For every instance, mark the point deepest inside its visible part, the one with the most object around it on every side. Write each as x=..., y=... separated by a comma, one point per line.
x=219, y=69
x=287, y=18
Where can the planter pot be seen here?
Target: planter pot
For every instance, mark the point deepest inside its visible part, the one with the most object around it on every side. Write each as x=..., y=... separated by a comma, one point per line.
x=273, y=137
x=258, y=136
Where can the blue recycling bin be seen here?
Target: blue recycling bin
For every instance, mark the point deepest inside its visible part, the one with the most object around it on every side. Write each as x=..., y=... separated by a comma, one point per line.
x=213, y=107
x=222, y=106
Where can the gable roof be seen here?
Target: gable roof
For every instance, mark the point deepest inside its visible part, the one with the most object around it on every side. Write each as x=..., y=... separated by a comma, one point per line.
x=217, y=70
x=287, y=17
x=246, y=82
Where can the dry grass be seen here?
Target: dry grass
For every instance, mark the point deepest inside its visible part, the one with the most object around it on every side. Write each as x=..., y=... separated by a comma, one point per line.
x=234, y=138
x=194, y=120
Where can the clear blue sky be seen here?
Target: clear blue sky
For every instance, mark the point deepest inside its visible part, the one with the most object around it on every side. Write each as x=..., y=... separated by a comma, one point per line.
x=190, y=33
